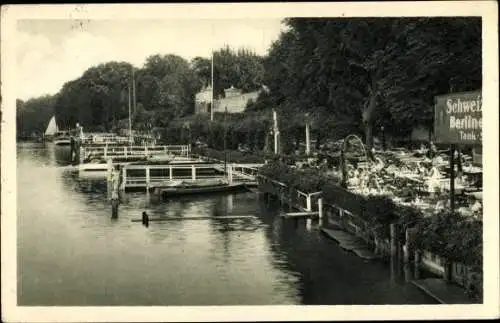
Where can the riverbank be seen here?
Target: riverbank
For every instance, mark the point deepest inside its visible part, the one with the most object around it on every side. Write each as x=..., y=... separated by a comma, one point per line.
x=375, y=227
x=438, y=289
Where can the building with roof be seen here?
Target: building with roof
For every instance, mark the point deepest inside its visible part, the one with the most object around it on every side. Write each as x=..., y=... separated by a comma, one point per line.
x=234, y=100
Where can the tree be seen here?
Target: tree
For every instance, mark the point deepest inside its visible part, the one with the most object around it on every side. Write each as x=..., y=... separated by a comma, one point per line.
x=97, y=98
x=242, y=69
x=33, y=116
x=371, y=72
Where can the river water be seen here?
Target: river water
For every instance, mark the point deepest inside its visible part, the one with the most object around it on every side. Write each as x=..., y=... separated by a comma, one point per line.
x=70, y=251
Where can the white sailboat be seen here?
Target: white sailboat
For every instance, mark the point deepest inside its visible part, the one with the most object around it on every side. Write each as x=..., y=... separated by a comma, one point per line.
x=51, y=127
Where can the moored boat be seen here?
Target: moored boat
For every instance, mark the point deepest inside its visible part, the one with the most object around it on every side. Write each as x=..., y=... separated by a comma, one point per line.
x=190, y=188
x=62, y=138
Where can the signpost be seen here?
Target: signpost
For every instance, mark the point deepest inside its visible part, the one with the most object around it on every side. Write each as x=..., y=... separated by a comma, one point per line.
x=458, y=120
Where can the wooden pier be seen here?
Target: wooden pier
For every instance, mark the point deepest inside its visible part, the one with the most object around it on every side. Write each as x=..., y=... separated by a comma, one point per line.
x=151, y=176
x=121, y=151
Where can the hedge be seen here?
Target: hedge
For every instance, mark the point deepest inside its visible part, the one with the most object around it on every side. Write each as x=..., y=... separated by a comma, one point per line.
x=450, y=236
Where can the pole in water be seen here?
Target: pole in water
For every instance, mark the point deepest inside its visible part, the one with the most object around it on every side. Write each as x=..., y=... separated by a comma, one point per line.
x=114, y=208
x=145, y=219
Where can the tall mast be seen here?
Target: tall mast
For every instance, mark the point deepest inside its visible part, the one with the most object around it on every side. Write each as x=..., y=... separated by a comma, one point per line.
x=133, y=90
x=212, y=75
x=129, y=116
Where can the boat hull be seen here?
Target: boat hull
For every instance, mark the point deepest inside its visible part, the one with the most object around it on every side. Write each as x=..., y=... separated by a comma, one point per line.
x=179, y=191
x=62, y=142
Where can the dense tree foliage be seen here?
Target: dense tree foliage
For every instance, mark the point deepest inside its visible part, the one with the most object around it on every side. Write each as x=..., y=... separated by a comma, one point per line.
x=364, y=73
x=343, y=75
x=242, y=69
x=33, y=115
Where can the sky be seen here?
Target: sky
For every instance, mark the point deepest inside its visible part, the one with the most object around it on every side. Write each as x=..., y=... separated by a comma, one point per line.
x=52, y=52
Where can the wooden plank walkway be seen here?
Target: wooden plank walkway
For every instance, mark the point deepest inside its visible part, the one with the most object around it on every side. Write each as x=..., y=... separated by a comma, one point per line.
x=351, y=243
x=444, y=293
x=299, y=214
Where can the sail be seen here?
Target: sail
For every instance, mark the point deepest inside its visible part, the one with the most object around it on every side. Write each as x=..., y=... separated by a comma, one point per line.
x=52, y=127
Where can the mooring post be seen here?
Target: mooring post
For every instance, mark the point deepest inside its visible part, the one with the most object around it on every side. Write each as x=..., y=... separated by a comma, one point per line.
x=341, y=217
x=308, y=203
x=320, y=211
x=115, y=198
x=123, y=185
x=320, y=208
x=193, y=172
x=114, y=208
x=125, y=151
x=409, y=253
x=230, y=173
x=81, y=154
x=416, y=262
x=447, y=270
x=394, y=240
x=148, y=183
x=409, y=245
x=109, y=177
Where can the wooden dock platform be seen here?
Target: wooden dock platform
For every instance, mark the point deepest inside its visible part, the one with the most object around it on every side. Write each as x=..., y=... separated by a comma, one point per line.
x=145, y=176
x=299, y=214
x=222, y=217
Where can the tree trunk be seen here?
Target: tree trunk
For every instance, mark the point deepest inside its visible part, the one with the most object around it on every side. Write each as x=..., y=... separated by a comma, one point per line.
x=368, y=115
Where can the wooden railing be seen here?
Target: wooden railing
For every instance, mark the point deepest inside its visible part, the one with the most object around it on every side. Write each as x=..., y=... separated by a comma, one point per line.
x=307, y=202
x=110, y=151
x=146, y=175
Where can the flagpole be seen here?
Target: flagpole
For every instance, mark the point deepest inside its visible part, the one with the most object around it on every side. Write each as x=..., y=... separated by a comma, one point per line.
x=225, y=142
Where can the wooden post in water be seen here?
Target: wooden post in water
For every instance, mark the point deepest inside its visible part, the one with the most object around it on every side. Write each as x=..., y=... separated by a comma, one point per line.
x=115, y=198
x=109, y=177
x=148, y=182
x=81, y=154
x=320, y=207
x=170, y=174
x=447, y=271
x=409, y=253
x=125, y=151
x=230, y=173
x=124, y=181
x=416, y=264
x=193, y=172
x=114, y=208
x=394, y=240
x=308, y=140
x=308, y=203
x=320, y=210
